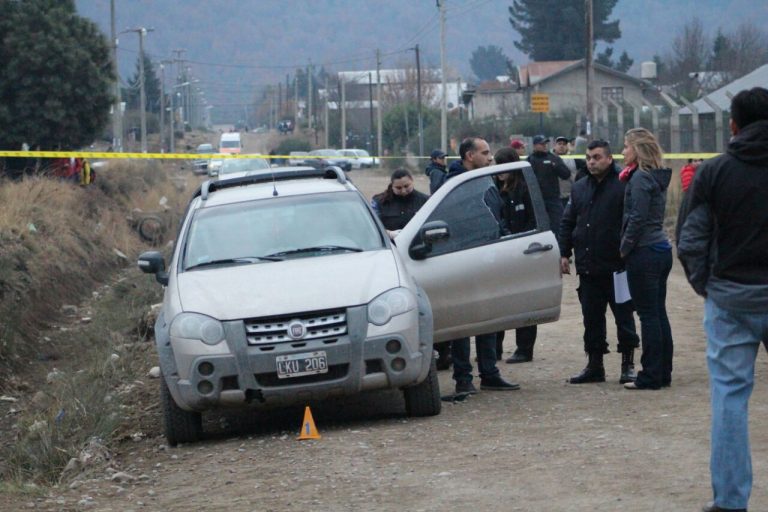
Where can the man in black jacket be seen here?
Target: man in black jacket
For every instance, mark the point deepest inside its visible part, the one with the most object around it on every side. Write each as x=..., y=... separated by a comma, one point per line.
x=724, y=250
x=436, y=170
x=549, y=169
x=591, y=227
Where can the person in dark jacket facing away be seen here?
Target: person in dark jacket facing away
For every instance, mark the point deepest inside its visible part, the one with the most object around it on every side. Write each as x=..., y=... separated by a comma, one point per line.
x=476, y=154
x=724, y=250
x=517, y=214
x=436, y=170
x=591, y=227
x=647, y=253
x=399, y=203
x=549, y=169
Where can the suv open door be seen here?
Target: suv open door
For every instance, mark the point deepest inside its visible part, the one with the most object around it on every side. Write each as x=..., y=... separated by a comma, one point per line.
x=479, y=276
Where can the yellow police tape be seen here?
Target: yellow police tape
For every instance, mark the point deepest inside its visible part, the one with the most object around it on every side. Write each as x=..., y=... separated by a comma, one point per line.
x=218, y=156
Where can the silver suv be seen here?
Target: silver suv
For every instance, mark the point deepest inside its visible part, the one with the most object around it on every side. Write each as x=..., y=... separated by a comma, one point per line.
x=283, y=288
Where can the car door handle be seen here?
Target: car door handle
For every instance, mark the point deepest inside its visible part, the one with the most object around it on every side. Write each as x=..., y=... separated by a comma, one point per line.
x=537, y=247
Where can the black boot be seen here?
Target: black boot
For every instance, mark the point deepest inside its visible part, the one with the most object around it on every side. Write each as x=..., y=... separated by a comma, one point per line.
x=594, y=372
x=628, y=366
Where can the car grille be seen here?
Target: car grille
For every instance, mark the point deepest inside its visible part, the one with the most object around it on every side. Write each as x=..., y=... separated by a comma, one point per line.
x=317, y=325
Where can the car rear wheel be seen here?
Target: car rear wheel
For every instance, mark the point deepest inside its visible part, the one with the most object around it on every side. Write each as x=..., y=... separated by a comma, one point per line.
x=180, y=426
x=423, y=399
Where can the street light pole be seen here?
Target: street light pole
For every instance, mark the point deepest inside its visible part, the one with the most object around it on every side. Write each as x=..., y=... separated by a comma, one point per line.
x=418, y=101
x=117, y=117
x=443, y=103
x=142, y=91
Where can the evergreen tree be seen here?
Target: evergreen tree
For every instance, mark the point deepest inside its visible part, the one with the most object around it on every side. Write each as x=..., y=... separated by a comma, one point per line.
x=488, y=62
x=556, y=29
x=151, y=87
x=55, y=76
x=623, y=64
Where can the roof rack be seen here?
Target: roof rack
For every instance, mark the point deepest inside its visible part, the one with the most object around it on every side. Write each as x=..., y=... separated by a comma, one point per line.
x=328, y=173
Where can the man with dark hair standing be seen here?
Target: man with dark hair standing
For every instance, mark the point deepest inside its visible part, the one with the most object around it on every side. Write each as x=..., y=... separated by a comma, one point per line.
x=576, y=166
x=723, y=246
x=591, y=227
x=476, y=154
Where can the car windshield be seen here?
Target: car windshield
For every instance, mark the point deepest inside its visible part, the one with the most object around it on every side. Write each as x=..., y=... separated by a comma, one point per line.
x=326, y=152
x=292, y=227
x=205, y=148
x=233, y=165
x=362, y=153
x=230, y=143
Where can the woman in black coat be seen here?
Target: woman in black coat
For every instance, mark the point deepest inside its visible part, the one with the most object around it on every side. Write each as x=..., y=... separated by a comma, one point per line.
x=399, y=203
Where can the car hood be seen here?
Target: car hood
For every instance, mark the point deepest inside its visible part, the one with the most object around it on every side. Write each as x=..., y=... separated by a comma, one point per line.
x=291, y=286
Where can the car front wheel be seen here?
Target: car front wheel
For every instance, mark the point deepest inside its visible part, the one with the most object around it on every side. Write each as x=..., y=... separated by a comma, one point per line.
x=180, y=426
x=423, y=399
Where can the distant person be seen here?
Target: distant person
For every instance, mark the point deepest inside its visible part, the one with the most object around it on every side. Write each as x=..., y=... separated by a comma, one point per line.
x=518, y=145
x=591, y=228
x=475, y=153
x=518, y=217
x=399, y=203
x=577, y=166
x=549, y=169
x=723, y=248
x=687, y=172
x=580, y=143
x=647, y=254
x=436, y=170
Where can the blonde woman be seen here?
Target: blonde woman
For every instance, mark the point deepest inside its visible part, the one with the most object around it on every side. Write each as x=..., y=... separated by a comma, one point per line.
x=647, y=253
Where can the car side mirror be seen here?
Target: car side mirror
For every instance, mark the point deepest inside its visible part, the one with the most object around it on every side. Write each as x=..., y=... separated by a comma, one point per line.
x=152, y=262
x=430, y=233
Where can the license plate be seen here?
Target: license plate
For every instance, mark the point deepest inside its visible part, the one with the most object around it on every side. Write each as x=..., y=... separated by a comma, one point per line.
x=298, y=365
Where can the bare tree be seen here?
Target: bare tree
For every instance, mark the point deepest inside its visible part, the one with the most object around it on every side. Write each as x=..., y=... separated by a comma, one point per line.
x=750, y=49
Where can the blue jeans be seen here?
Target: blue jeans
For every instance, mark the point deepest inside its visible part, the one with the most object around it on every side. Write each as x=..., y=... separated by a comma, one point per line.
x=485, y=345
x=647, y=273
x=733, y=339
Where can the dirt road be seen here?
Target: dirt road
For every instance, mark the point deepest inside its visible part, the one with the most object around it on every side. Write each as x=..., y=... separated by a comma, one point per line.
x=547, y=447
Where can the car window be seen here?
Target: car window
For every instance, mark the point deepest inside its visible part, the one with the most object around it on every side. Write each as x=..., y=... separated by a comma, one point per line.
x=482, y=211
x=269, y=226
x=230, y=144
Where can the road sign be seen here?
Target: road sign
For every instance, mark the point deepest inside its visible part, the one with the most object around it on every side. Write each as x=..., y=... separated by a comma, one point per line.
x=540, y=103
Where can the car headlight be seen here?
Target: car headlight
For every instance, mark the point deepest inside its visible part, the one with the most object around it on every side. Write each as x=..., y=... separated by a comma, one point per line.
x=197, y=327
x=390, y=304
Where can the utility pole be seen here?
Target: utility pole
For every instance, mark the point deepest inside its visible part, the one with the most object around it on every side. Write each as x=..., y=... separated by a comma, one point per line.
x=444, y=102
x=296, y=101
x=142, y=91
x=370, y=110
x=117, y=117
x=325, y=120
x=343, y=113
x=378, y=101
x=590, y=68
x=162, y=106
x=418, y=101
x=309, y=94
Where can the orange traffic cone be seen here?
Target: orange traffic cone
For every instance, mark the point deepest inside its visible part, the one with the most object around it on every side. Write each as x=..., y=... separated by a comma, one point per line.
x=308, y=429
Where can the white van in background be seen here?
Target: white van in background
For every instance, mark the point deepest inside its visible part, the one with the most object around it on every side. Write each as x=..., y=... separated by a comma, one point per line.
x=230, y=143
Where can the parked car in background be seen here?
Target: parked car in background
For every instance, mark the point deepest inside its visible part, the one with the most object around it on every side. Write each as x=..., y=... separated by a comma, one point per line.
x=284, y=289
x=214, y=165
x=297, y=158
x=238, y=166
x=200, y=165
x=359, y=158
x=328, y=157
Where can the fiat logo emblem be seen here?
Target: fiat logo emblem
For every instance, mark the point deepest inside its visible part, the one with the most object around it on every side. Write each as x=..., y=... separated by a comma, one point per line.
x=296, y=330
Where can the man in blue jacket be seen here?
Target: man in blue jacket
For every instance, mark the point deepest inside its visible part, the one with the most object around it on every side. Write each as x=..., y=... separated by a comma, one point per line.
x=591, y=227
x=723, y=247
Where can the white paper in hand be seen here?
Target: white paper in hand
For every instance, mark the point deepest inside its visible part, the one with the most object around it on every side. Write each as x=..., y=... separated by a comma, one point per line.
x=621, y=287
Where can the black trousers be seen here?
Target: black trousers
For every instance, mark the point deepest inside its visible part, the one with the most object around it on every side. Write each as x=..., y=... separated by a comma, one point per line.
x=525, y=338
x=595, y=294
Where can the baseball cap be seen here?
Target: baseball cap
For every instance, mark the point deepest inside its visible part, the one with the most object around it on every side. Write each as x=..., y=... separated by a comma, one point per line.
x=561, y=138
x=437, y=154
x=517, y=144
x=540, y=139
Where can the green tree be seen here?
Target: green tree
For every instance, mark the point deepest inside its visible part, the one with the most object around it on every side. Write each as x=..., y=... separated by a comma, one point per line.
x=488, y=62
x=55, y=76
x=151, y=87
x=556, y=29
x=623, y=64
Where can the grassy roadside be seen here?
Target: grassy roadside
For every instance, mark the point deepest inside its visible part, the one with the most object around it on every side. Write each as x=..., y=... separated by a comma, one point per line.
x=73, y=347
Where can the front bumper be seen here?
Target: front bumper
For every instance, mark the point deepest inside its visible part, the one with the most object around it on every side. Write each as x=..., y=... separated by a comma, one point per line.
x=246, y=376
